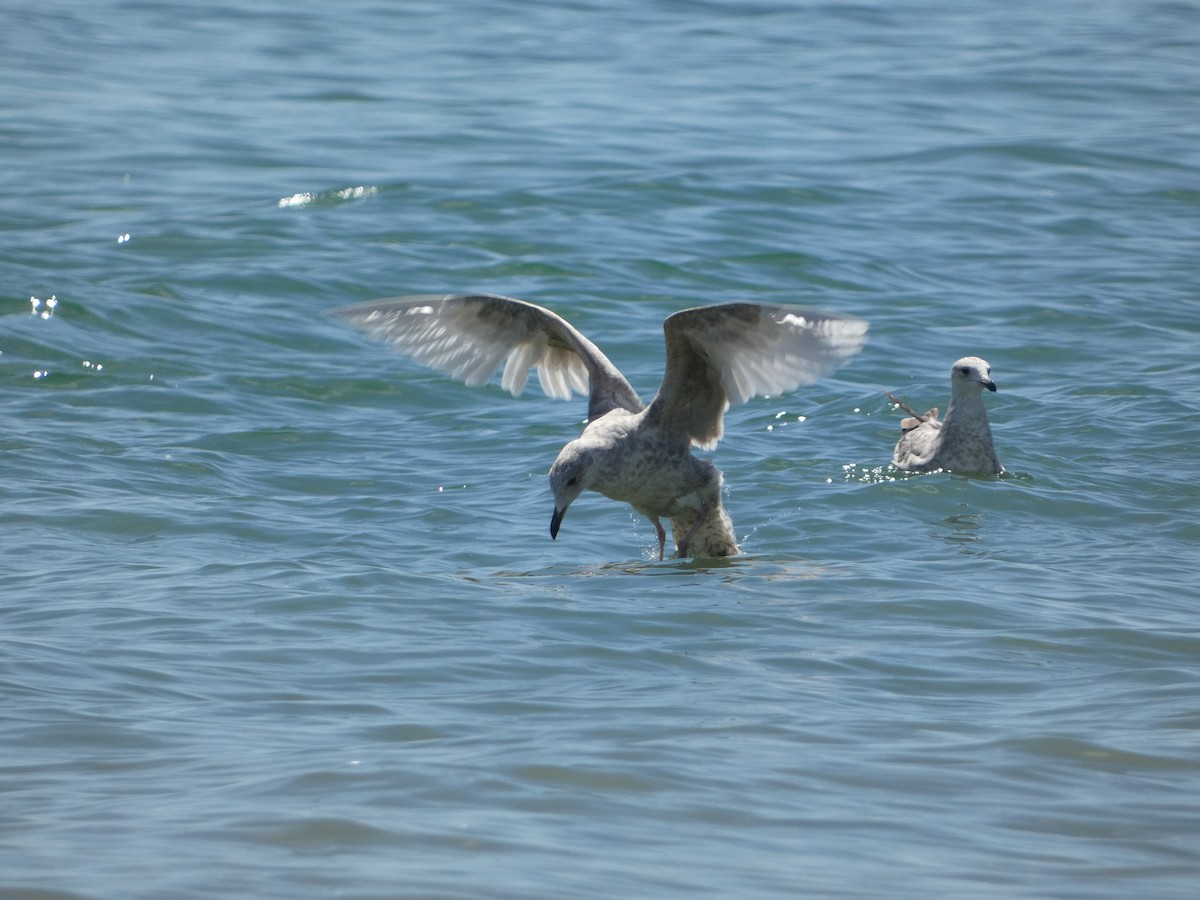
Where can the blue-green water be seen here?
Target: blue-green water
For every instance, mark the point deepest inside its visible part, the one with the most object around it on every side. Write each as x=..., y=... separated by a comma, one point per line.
x=280, y=612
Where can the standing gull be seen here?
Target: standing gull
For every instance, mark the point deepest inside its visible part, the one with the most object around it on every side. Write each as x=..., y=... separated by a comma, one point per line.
x=717, y=356
x=962, y=441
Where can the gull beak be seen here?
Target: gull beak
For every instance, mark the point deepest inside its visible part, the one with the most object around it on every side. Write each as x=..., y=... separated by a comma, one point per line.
x=556, y=521
x=990, y=385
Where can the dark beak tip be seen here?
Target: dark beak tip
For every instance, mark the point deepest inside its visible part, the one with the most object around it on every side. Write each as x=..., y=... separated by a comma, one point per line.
x=991, y=386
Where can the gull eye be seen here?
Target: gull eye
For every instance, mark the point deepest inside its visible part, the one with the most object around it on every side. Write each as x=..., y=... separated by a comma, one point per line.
x=964, y=370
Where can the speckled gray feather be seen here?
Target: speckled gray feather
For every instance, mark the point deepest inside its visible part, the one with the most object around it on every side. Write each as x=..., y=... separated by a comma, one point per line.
x=642, y=455
x=962, y=440
x=468, y=337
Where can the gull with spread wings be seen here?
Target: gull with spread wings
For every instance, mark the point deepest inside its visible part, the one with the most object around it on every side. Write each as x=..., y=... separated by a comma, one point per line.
x=717, y=356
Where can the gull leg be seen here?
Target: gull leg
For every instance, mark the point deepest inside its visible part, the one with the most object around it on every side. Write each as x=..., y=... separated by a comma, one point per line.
x=662, y=538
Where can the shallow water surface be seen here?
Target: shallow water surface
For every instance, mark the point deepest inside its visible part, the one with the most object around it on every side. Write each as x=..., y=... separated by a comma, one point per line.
x=281, y=615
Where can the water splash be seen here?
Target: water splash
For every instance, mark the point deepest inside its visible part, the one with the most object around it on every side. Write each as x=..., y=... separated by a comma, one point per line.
x=43, y=309
x=307, y=198
x=871, y=474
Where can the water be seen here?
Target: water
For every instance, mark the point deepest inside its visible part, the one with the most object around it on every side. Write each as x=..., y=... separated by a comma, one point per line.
x=281, y=616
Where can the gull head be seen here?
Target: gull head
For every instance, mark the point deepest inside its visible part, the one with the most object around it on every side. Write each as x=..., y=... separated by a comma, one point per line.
x=570, y=476
x=971, y=373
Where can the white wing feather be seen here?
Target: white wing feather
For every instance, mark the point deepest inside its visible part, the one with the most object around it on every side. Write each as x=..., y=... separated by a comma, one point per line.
x=724, y=355
x=782, y=351
x=470, y=337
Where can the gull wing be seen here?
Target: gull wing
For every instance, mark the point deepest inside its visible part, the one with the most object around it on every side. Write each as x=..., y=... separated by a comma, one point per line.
x=918, y=445
x=719, y=356
x=470, y=336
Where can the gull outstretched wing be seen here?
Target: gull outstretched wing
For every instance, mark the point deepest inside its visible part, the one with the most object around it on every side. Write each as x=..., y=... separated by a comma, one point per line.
x=720, y=356
x=470, y=336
